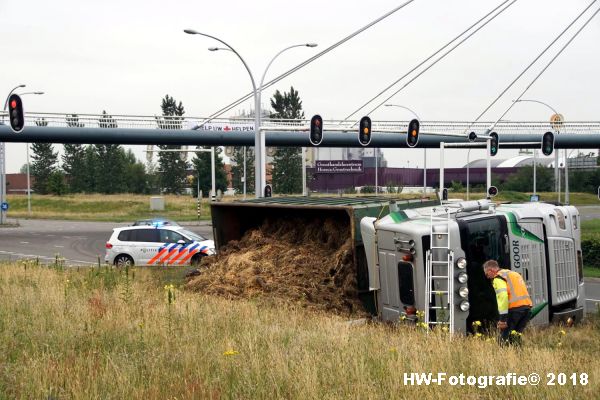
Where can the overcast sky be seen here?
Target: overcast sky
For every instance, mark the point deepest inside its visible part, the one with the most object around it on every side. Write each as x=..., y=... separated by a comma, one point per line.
x=124, y=56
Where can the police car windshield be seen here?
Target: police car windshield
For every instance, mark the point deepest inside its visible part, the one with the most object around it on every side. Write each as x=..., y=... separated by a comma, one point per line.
x=192, y=235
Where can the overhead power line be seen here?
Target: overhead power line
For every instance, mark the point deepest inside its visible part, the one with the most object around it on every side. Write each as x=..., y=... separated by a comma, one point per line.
x=308, y=61
x=425, y=60
x=529, y=66
x=549, y=63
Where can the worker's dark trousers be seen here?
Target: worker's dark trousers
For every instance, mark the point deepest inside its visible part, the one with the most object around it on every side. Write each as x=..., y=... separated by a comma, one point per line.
x=517, y=321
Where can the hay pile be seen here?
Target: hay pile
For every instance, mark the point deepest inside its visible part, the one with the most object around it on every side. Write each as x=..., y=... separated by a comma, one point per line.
x=310, y=263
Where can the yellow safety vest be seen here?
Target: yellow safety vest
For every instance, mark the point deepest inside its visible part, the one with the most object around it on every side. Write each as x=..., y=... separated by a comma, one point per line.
x=517, y=290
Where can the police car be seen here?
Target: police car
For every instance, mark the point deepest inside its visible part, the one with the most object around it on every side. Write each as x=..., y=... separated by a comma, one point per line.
x=156, y=245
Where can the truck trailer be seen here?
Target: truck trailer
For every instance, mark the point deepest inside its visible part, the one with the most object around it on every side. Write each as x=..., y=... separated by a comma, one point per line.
x=431, y=259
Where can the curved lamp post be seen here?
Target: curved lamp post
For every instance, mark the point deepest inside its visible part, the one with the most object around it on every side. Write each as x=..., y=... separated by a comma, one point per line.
x=556, y=170
x=258, y=111
x=424, y=149
x=260, y=157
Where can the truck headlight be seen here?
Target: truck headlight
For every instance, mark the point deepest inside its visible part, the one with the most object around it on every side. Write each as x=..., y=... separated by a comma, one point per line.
x=463, y=292
x=464, y=305
x=462, y=277
x=461, y=263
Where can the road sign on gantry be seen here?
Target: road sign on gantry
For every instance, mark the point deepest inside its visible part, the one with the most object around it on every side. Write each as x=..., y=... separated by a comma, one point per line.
x=556, y=120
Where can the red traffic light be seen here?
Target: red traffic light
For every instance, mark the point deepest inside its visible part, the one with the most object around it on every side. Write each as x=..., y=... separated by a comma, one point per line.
x=15, y=111
x=316, y=130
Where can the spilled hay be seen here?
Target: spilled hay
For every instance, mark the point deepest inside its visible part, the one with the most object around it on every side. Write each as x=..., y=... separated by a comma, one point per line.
x=292, y=261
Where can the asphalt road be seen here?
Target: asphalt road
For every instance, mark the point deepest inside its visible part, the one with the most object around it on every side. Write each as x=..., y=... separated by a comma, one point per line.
x=79, y=243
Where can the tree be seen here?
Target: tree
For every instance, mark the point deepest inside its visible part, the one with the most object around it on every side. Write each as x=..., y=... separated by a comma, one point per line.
x=43, y=164
x=110, y=168
x=202, y=165
x=522, y=180
x=287, y=162
x=237, y=169
x=73, y=164
x=171, y=164
x=91, y=168
x=56, y=183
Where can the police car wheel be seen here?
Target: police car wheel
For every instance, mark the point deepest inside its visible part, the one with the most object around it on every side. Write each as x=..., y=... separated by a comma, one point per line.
x=123, y=260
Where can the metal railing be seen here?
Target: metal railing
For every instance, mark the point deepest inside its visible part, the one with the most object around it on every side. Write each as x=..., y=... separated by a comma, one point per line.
x=247, y=124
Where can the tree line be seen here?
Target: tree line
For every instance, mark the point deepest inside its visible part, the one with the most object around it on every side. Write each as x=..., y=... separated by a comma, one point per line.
x=109, y=168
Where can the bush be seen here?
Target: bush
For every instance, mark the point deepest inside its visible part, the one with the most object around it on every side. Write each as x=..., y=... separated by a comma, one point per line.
x=590, y=248
x=367, y=189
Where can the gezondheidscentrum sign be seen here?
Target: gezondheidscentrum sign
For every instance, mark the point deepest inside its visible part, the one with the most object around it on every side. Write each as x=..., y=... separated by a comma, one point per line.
x=336, y=166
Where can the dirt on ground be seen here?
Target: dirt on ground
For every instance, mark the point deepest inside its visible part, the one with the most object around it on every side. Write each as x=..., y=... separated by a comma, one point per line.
x=298, y=261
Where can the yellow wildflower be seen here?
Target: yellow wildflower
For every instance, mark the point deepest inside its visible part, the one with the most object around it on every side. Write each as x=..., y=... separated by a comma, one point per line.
x=230, y=353
x=562, y=332
x=476, y=323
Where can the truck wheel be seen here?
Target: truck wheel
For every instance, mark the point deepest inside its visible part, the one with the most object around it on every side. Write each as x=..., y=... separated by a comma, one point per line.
x=123, y=260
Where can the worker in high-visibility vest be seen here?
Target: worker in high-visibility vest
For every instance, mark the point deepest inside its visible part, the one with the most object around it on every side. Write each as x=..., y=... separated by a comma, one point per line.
x=514, y=303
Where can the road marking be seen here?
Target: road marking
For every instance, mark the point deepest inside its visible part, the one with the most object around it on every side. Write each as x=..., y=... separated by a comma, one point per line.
x=597, y=301
x=24, y=242
x=58, y=246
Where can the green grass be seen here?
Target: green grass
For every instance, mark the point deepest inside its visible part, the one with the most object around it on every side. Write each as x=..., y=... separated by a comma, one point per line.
x=101, y=333
x=591, y=272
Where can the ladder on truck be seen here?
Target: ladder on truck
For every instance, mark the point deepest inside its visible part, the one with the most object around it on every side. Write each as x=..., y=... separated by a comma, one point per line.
x=439, y=279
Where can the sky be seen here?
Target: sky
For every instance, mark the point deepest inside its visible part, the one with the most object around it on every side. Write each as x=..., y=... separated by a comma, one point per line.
x=124, y=56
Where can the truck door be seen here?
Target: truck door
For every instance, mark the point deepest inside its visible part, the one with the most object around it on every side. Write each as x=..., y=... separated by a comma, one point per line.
x=482, y=239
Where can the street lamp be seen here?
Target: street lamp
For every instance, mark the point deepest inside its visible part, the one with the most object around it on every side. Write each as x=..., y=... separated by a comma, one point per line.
x=3, y=161
x=259, y=141
x=256, y=120
x=556, y=170
x=424, y=149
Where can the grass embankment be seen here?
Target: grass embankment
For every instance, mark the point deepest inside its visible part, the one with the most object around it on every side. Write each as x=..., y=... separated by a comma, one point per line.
x=103, y=334
x=116, y=208
x=129, y=207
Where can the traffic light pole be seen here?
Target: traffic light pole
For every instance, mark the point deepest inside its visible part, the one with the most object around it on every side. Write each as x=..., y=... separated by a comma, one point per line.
x=2, y=181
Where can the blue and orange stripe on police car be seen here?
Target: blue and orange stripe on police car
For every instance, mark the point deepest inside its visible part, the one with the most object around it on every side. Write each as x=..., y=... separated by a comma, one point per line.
x=182, y=252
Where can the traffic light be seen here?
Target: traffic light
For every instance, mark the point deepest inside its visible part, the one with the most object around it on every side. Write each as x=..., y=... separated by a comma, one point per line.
x=412, y=135
x=492, y=191
x=444, y=194
x=364, y=131
x=316, y=130
x=472, y=137
x=548, y=143
x=15, y=113
x=268, y=191
x=493, y=144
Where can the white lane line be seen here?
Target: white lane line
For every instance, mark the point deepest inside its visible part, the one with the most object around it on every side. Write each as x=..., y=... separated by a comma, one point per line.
x=24, y=242
x=58, y=246
x=597, y=301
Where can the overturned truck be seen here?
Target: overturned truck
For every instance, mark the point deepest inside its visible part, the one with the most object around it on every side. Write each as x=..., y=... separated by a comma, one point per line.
x=419, y=255
x=431, y=259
